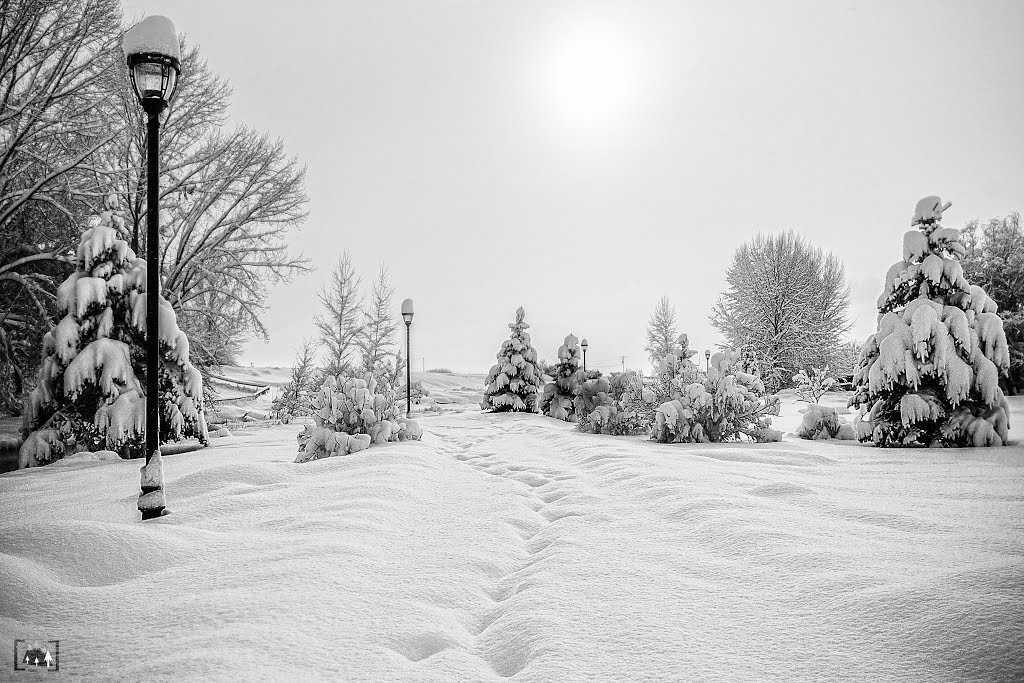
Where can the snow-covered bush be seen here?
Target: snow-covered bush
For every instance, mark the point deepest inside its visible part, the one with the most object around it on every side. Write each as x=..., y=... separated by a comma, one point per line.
x=515, y=380
x=673, y=370
x=557, y=401
x=617, y=405
x=724, y=404
x=351, y=413
x=930, y=375
x=813, y=385
x=416, y=392
x=823, y=422
x=91, y=386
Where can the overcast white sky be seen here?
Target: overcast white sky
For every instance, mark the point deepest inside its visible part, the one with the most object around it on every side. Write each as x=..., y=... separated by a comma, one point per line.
x=582, y=159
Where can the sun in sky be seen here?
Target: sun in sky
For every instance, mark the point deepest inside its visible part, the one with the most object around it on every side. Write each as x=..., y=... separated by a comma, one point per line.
x=591, y=78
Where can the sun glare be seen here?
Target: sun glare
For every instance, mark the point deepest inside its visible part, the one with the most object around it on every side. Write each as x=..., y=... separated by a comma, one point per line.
x=590, y=79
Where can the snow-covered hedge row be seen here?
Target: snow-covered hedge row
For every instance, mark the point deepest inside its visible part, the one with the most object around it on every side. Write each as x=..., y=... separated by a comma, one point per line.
x=351, y=413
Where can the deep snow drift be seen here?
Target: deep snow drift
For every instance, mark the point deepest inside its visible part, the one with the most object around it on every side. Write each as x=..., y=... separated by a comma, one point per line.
x=514, y=546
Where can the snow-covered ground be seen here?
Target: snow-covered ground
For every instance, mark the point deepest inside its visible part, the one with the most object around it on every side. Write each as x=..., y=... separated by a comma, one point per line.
x=514, y=546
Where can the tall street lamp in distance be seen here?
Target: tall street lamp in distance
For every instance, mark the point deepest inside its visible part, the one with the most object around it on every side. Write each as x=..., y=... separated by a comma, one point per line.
x=154, y=63
x=584, y=345
x=707, y=360
x=407, y=317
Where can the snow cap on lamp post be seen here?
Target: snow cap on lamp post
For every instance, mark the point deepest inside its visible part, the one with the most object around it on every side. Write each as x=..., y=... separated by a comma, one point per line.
x=154, y=59
x=407, y=311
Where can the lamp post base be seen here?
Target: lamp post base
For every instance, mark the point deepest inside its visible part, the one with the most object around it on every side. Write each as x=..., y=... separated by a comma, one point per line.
x=151, y=500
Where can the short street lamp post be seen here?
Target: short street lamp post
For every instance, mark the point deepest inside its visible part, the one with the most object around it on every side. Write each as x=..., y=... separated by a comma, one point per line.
x=707, y=360
x=153, y=67
x=584, y=345
x=407, y=317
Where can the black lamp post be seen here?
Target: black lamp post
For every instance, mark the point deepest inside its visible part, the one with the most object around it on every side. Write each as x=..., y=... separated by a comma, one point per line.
x=407, y=317
x=584, y=345
x=153, y=67
x=707, y=360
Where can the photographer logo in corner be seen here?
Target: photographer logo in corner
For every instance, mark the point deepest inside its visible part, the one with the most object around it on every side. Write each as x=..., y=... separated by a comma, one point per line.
x=37, y=655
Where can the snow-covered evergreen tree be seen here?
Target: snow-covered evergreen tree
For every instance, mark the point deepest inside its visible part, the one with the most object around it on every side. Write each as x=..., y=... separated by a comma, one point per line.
x=557, y=401
x=515, y=380
x=90, y=394
x=930, y=375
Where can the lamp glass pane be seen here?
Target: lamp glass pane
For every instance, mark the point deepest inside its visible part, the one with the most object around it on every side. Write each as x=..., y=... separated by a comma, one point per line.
x=172, y=82
x=149, y=79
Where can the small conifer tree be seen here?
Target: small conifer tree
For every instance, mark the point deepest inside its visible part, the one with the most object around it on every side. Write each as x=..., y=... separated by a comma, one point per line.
x=91, y=390
x=930, y=375
x=515, y=380
x=557, y=401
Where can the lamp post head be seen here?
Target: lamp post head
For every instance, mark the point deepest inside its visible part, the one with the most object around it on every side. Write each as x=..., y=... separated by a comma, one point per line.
x=707, y=353
x=154, y=60
x=584, y=344
x=407, y=311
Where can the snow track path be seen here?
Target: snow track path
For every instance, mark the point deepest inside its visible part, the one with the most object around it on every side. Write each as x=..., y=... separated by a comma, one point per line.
x=514, y=547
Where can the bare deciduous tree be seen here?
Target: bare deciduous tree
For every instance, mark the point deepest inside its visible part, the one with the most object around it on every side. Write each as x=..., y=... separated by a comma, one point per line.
x=340, y=325
x=56, y=64
x=662, y=331
x=380, y=324
x=787, y=301
x=228, y=198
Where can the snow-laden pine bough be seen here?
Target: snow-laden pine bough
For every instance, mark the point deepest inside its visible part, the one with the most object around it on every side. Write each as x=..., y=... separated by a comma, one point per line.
x=350, y=413
x=90, y=394
x=930, y=375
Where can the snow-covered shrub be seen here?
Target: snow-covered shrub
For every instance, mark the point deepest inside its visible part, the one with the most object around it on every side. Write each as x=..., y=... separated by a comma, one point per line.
x=557, y=401
x=591, y=394
x=930, y=375
x=91, y=386
x=515, y=380
x=724, y=404
x=813, y=385
x=823, y=422
x=416, y=392
x=618, y=404
x=673, y=370
x=351, y=413
x=622, y=404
